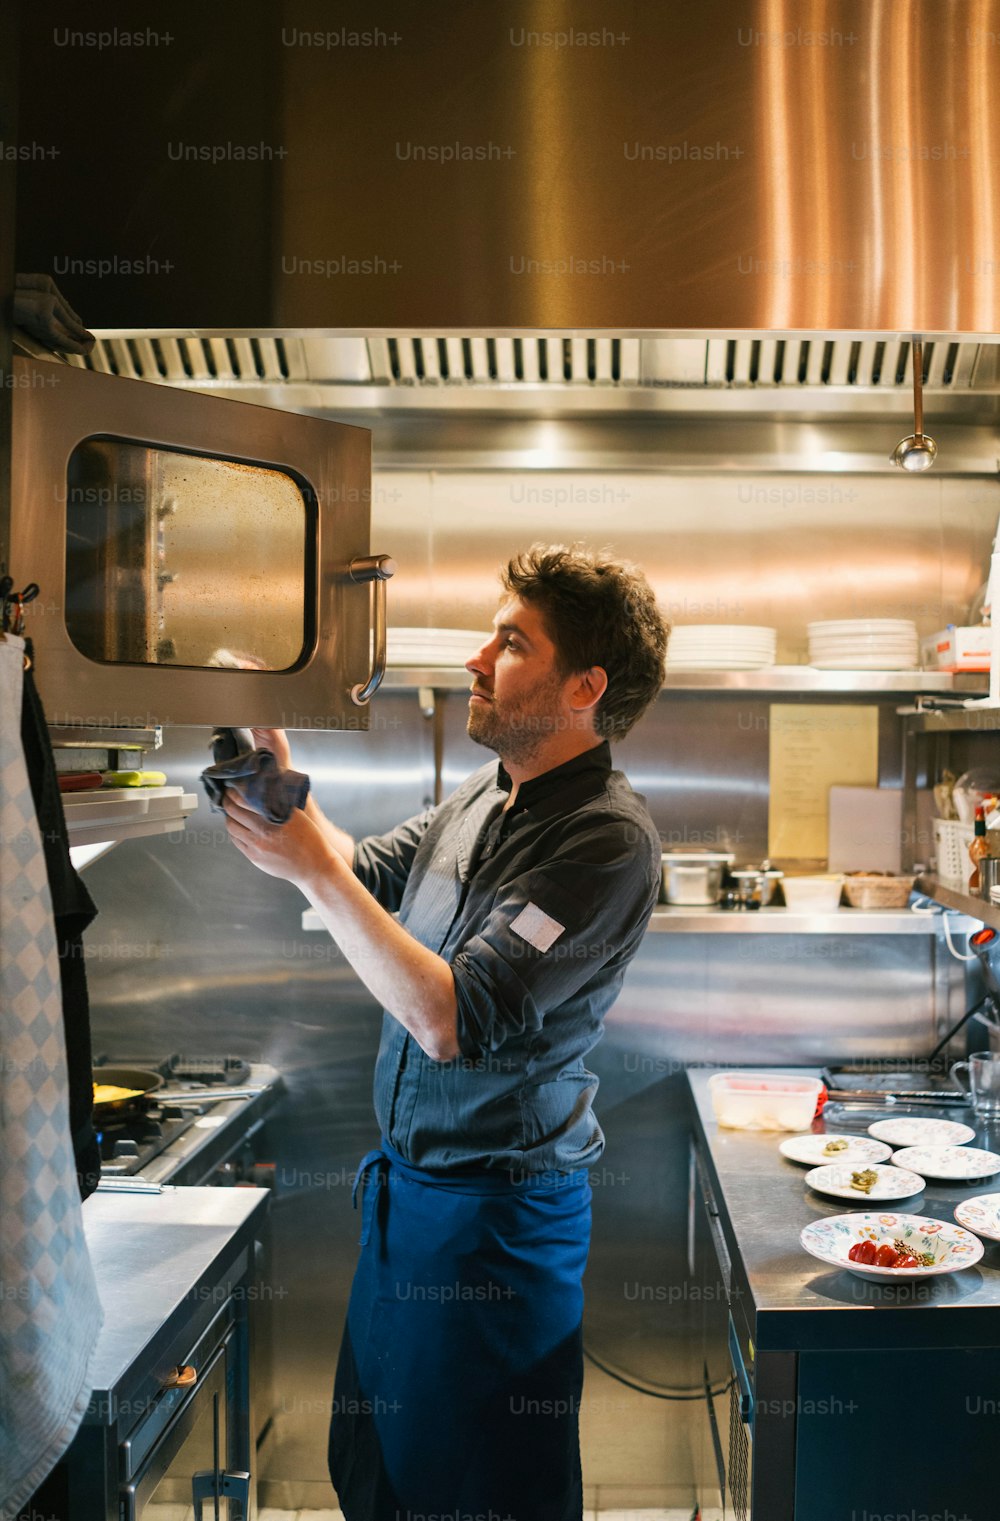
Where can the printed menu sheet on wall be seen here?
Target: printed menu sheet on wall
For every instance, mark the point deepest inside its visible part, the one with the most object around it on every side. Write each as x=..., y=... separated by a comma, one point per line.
x=813, y=748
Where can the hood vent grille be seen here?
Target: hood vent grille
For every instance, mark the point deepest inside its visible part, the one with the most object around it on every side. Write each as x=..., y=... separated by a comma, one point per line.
x=877, y=365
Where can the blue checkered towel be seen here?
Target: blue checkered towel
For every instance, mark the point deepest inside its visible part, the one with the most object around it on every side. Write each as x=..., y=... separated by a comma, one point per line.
x=50, y=1313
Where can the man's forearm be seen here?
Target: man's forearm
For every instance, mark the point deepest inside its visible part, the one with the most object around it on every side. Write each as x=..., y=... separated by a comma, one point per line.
x=341, y=841
x=414, y=984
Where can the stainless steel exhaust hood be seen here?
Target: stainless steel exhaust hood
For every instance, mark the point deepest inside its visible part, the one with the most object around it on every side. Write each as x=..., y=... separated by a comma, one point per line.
x=740, y=167
x=827, y=403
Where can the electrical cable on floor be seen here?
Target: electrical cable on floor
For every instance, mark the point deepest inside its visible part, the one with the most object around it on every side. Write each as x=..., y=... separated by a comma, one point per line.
x=683, y=1395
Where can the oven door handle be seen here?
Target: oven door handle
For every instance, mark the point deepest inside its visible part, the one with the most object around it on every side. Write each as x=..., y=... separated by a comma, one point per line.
x=377, y=568
x=229, y=1485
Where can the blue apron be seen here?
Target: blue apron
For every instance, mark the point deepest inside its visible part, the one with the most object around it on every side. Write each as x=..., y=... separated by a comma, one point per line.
x=461, y=1369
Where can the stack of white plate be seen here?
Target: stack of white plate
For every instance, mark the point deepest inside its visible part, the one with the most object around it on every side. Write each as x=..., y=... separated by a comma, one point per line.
x=864, y=644
x=725, y=646
x=433, y=646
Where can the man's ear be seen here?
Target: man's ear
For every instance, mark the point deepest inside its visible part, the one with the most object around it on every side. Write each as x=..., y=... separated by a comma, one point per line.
x=589, y=689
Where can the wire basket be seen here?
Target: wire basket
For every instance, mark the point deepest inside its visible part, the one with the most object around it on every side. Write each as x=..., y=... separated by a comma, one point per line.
x=952, y=839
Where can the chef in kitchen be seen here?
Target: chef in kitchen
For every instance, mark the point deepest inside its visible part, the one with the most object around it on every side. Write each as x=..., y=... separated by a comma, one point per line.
x=521, y=900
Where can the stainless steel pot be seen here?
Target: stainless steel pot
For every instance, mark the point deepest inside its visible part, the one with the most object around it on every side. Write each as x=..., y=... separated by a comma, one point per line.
x=758, y=883
x=989, y=875
x=693, y=878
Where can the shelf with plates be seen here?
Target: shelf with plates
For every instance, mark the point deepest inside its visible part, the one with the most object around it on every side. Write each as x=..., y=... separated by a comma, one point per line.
x=774, y=678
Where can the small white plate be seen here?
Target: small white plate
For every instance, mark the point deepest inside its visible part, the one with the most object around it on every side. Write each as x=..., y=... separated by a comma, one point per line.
x=865, y=663
x=951, y=1162
x=811, y=1149
x=893, y=1183
x=913, y=1132
x=981, y=1214
x=863, y=625
x=831, y=1239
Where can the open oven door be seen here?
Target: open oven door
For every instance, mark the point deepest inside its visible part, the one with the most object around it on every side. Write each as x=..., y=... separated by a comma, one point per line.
x=200, y=561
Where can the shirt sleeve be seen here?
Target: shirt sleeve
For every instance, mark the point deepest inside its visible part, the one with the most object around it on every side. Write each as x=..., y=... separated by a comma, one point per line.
x=382, y=862
x=548, y=930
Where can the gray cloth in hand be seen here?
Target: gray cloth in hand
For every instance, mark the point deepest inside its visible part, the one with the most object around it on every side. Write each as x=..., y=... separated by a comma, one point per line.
x=267, y=789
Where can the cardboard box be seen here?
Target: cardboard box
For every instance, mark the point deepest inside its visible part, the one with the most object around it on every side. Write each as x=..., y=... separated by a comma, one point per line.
x=958, y=649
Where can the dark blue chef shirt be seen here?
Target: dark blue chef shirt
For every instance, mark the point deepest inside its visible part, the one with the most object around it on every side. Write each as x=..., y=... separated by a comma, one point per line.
x=538, y=911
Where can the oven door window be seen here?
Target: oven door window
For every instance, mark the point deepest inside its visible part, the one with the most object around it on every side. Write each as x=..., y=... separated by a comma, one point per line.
x=186, y=1474
x=181, y=559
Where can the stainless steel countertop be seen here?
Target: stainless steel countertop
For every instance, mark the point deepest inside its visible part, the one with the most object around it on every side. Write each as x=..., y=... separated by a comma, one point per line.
x=764, y=1204
x=152, y=1253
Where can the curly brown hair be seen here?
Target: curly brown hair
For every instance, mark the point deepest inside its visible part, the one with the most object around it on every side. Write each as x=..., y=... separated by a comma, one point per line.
x=597, y=611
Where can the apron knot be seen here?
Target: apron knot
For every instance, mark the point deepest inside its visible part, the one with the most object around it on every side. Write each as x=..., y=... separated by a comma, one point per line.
x=376, y=1158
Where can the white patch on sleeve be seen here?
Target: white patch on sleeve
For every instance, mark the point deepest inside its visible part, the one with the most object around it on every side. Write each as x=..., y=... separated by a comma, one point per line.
x=536, y=927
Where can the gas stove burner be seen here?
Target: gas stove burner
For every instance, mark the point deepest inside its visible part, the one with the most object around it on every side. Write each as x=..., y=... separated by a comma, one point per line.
x=224, y=1071
x=127, y=1144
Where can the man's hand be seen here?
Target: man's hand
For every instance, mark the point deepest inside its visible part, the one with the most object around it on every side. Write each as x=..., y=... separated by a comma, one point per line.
x=41, y=309
x=296, y=851
x=275, y=740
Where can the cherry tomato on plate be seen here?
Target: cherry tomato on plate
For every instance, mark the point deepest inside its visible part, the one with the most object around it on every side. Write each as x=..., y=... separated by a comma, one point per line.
x=863, y=1252
x=886, y=1256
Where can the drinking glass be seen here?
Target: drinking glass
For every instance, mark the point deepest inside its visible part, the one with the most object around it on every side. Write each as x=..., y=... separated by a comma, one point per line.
x=984, y=1082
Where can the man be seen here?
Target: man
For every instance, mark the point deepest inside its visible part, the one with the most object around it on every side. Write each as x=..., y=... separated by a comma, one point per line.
x=521, y=900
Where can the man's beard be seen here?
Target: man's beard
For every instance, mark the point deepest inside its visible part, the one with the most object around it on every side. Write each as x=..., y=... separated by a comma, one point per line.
x=517, y=730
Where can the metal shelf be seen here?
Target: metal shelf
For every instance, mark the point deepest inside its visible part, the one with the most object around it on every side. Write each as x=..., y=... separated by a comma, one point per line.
x=951, y=720
x=965, y=903
x=91, y=836
x=773, y=921
x=785, y=921
x=775, y=678
x=806, y=678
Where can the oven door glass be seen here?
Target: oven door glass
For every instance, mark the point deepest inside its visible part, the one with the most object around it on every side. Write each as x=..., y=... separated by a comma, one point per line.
x=187, y=1472
x=148, y=532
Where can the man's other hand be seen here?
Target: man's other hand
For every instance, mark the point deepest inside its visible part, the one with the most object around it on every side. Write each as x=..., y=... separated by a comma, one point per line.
x=296, y=851
x=43, y=311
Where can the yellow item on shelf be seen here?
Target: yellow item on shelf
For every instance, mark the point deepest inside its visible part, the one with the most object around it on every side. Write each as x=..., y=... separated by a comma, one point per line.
x=135, y=779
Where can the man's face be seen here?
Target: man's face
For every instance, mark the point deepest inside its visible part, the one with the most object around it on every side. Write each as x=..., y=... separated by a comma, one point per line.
x=518, y=696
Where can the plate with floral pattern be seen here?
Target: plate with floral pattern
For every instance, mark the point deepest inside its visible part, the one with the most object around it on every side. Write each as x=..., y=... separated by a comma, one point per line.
x=949, y=1247
x=981, y=1214
x=888, y=1182
x=919, y=1132
x=950, y=1162
x=814, y=1150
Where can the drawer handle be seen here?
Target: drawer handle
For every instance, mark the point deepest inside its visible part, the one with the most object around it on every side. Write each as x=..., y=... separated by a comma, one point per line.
x=181, y=1377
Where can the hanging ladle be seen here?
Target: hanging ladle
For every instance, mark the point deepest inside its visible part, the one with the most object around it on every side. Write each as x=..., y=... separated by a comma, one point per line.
x=917, y=451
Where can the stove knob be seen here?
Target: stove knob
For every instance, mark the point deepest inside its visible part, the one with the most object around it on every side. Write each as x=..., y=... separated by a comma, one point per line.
x=126, y=1149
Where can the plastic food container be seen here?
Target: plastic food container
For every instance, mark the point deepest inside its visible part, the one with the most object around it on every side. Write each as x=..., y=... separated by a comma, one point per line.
x=812, y=895
x=694, y=877
x=876, y=891
x=764, y=1100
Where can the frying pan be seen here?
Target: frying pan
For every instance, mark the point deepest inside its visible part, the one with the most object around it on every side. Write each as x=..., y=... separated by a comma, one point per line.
x=126, y=1077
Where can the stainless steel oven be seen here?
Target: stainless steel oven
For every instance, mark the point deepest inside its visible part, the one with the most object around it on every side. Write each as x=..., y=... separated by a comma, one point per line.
x=170, y=1422
x=196, y=1461
x=200, y=561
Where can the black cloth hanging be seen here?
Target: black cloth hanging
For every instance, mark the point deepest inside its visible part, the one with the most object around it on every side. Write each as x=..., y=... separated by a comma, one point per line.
x=73, y=910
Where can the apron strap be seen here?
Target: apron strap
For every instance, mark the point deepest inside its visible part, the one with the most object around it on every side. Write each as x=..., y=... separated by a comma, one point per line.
x=376, y=1158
